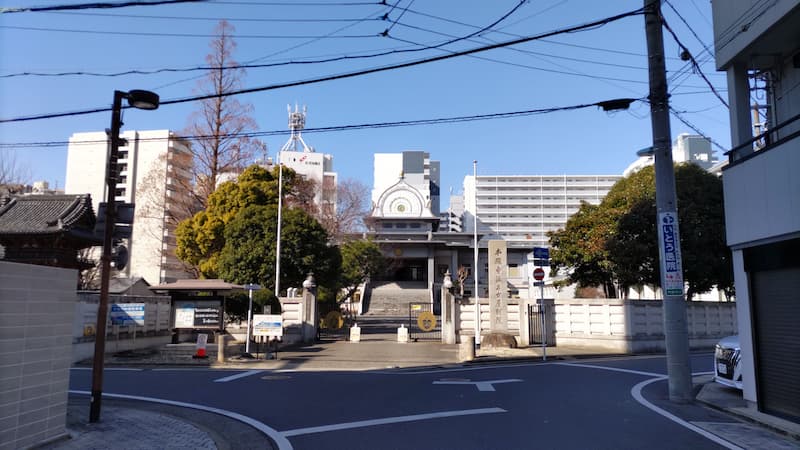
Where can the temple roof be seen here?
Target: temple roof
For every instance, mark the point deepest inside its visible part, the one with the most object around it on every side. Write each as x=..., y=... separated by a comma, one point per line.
x=46, y=214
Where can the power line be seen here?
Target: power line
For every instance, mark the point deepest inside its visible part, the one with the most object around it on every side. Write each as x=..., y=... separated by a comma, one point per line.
x=705, y=47
x=209, y=19
x=694, y=62
x=252, y=66
x=678, y=116
x=182, y=35
x=401, y=123
x=352, y=74
x=107, y=5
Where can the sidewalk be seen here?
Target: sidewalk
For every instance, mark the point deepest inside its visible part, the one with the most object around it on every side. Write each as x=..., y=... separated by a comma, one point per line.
x=131, y=424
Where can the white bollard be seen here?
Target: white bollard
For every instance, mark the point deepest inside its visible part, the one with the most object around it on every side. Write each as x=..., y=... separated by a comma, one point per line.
x=355, y=333
x=402, y=334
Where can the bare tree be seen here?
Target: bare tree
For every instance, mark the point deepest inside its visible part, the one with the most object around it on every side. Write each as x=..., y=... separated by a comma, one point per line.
x=13, y=174
x=221, y=146
x=351, y=208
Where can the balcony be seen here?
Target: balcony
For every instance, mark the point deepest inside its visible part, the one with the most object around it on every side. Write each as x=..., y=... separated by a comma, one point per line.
x=762, y=188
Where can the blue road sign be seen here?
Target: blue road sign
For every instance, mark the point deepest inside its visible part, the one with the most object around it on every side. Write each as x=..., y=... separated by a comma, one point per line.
x=541, y=252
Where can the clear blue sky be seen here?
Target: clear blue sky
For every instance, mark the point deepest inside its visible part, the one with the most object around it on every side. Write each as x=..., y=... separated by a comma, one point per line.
x=584, y=67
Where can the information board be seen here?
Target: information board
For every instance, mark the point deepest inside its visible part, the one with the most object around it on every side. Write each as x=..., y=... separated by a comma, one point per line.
x=198, y=314
x=268, y=325
x=126, y=314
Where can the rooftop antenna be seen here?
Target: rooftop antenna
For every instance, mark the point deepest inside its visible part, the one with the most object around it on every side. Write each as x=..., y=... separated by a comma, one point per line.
x=297, y=121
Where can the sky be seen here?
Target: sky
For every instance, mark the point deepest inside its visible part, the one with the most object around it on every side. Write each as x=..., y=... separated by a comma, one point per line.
x=583, y=67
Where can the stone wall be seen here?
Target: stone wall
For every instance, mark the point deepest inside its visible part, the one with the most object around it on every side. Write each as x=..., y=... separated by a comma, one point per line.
x=37, y=305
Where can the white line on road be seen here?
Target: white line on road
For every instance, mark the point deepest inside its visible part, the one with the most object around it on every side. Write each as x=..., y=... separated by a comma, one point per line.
x=278, y=438
x=485, y=386
x=237, y=376
x=636, y=392
x=613, y=369
x=390, y=420
x=116, y=369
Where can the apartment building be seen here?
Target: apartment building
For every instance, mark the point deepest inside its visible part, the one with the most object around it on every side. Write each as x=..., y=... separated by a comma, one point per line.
x=154, y=172
x=522, y=209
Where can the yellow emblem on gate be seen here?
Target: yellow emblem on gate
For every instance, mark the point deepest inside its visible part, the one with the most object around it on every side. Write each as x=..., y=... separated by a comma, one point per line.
x=426, y=321
x=333, y=320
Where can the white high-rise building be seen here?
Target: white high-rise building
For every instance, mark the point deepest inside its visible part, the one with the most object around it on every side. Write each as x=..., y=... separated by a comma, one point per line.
x=154, y=170
x=521, y=209
x=304, y=160
x=686, y=148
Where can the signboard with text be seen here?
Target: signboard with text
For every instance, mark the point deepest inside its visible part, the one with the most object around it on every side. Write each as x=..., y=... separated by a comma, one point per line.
x=268, y=325
x=126, y=314
x=671, y=255
x=198, y=314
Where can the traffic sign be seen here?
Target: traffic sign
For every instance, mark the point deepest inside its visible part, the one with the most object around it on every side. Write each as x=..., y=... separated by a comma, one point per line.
x=538, y=283
x=538, y=274
x=541, y=252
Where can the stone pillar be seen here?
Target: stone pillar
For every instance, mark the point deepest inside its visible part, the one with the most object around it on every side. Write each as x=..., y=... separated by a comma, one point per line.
x=448, y=311
x=310, y=310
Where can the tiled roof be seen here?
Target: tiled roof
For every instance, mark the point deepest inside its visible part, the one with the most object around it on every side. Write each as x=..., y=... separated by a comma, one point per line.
x=198, y=285
x=46, y=214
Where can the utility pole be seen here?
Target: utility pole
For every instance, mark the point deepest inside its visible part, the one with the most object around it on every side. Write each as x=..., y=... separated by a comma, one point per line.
x=669, y=246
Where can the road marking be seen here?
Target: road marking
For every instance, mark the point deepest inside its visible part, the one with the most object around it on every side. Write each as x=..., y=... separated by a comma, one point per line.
x=636, y=392
x=278, y=438
x=237, y=376
x=115, y=369
x=613, y=369
x=483, y=386
x=390, y=420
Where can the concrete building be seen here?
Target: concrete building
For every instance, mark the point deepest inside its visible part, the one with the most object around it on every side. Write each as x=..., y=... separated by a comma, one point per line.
x=416, y=169
x=452, y=220
x=154, y=172
x=304, y=160
x=686, y=148
x=759, y=43
x=521, y=209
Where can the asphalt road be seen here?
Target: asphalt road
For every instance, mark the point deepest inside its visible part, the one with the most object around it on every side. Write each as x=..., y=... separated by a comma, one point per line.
x=606, y=403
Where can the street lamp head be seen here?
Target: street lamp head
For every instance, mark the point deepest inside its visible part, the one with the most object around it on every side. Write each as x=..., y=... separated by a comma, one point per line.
x=447, y=282
x=142, y=99
x=645, y=152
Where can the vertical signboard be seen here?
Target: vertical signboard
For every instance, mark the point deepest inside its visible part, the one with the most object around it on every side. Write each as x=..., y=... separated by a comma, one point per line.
x=672, y=270
x=498, y=292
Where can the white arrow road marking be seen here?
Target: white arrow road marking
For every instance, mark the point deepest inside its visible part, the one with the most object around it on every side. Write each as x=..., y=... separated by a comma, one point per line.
x=484, y=386
x=237, y=376
x=389, y=420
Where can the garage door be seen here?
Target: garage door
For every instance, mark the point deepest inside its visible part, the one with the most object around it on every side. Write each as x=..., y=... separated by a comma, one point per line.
x=776, y=312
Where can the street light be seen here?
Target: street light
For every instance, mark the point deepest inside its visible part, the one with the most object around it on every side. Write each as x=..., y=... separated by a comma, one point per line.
x=137, y=99
x=475, y=256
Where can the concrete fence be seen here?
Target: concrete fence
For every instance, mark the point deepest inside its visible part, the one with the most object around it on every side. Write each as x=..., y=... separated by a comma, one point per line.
x=632, y=326
x=155, y=330
x=625, y=326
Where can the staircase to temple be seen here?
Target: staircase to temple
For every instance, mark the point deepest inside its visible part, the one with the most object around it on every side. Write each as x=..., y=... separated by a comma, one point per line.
x=392, y=298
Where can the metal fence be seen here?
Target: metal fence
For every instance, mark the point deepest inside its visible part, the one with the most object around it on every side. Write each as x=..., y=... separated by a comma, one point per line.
x=423, y=323
x=542, y=323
